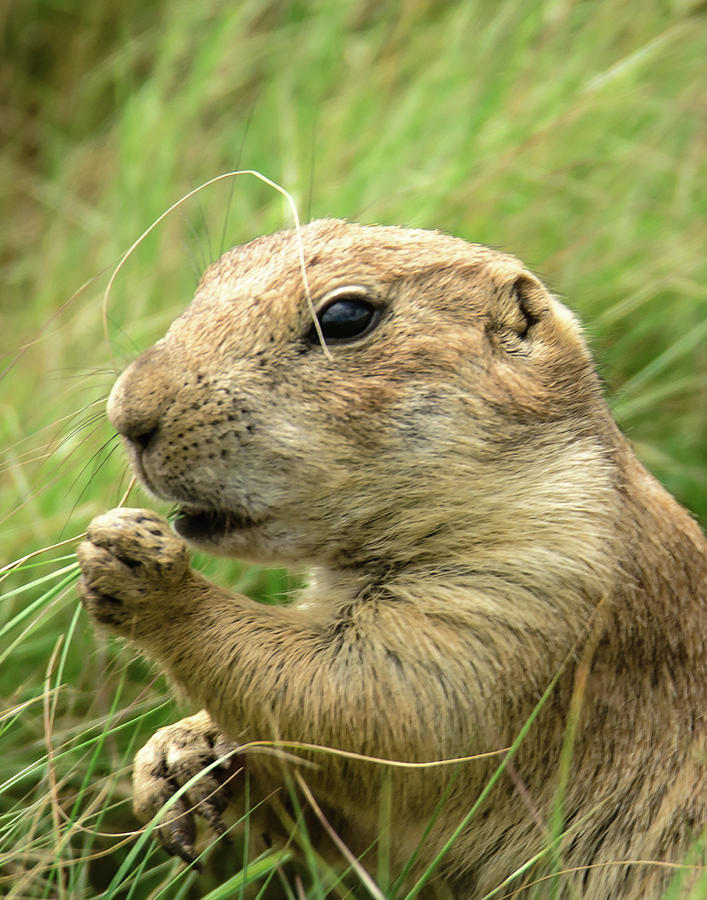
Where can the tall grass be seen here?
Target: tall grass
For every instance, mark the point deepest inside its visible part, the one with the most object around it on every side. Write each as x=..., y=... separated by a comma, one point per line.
x=569, y=133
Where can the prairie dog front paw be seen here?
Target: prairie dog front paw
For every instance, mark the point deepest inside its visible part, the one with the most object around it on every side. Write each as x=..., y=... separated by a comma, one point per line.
x=131, y=568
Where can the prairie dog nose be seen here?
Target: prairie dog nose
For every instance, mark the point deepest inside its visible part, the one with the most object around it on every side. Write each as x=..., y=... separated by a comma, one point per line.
x=139, y=397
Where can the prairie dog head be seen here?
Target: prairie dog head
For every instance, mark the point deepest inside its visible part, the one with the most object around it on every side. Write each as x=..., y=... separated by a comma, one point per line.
x=457, y=408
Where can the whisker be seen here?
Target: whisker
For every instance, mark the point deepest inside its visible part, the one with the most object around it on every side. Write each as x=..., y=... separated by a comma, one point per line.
x=57, y=474
x=96, y=469
x=231, y=193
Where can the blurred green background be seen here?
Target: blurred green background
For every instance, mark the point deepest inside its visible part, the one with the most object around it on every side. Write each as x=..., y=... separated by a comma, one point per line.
x=571, y=134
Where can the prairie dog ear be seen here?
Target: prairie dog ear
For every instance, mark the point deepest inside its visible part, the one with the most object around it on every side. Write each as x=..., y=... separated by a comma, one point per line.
x=519, y=306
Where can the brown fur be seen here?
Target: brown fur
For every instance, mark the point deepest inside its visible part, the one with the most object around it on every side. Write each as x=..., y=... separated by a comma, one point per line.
x=475, y=523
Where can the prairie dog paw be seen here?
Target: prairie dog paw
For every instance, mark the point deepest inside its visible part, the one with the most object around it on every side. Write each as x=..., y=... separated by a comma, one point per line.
x=130, y=562
x=171, y=757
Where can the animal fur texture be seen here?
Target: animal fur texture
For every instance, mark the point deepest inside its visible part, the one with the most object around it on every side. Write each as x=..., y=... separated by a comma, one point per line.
x=474, y=525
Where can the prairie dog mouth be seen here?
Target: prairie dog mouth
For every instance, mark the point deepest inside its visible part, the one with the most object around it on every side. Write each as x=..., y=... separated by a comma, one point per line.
x=208, y=525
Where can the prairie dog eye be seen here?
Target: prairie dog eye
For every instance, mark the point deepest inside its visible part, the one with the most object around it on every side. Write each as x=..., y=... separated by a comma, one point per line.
x=346, y=315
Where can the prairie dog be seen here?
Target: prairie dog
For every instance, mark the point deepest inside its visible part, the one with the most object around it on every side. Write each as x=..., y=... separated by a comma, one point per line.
x=475, y=524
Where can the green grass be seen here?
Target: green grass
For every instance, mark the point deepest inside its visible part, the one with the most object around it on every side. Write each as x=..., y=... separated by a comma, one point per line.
x=570, y=133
